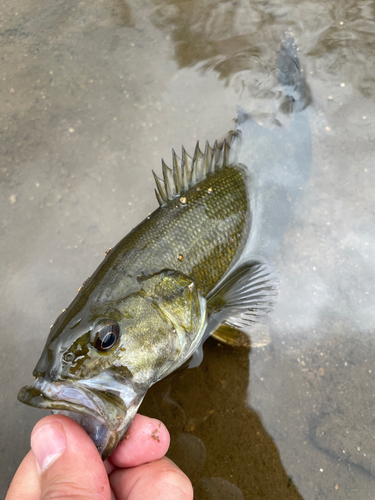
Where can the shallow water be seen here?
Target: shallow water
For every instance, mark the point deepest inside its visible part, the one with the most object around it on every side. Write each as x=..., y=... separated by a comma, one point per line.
x=92, y=96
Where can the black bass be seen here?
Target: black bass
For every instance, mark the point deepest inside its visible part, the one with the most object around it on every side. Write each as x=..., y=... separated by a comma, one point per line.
x=181, y=275
x=171, y=282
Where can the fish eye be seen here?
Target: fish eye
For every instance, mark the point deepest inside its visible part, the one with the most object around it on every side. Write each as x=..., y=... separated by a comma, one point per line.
x=68, y=357
x=106, y=335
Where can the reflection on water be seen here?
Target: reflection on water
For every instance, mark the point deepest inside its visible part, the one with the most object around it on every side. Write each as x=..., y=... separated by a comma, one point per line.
x=232, y=37
x=92, y=97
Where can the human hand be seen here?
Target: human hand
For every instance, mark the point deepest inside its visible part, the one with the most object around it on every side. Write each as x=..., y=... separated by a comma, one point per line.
x=65, y=464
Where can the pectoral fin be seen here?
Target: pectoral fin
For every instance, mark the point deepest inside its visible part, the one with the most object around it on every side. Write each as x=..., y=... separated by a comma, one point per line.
x=249, y=293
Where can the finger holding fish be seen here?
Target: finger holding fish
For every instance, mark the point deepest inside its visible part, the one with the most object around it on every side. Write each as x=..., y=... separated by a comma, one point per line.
x=161, y=480
x=64, y=463
x=181, y=275
x=155, y=298
x=146, y=439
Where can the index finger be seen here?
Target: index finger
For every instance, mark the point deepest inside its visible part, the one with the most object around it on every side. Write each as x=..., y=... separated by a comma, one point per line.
x=26, y=474
x=146, y=440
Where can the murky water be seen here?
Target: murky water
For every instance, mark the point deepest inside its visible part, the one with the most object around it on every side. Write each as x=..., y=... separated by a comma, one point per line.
x=92, y=96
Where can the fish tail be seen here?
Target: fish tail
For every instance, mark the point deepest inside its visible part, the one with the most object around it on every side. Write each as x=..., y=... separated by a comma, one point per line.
x=290, y=76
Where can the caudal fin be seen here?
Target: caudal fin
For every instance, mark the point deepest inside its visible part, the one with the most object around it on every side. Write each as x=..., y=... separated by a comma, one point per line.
x=297, y=94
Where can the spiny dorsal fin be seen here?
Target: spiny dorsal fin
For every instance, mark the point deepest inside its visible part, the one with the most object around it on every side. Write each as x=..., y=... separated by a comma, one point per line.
x=188, y=171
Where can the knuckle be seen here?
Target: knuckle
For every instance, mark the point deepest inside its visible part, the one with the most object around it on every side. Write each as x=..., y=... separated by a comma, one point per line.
x=175, y=479
x=67, y=491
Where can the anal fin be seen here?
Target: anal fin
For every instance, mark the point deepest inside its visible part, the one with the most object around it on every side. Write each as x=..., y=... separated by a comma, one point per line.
x=232, y=336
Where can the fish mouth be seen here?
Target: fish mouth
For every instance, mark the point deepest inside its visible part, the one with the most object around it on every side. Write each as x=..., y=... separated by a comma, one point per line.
x=105, y=415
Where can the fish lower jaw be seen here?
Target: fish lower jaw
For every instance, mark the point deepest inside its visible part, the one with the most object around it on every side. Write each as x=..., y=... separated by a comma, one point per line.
x=104, y=439
x=90, y=413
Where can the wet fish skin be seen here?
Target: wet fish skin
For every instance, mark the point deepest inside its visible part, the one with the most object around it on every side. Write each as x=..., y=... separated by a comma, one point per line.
x=192, y=237
x=207, y=232
x=152, y=285
x=174, y=280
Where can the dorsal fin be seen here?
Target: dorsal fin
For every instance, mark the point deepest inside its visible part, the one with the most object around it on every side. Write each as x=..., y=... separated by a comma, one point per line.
x=188, y=171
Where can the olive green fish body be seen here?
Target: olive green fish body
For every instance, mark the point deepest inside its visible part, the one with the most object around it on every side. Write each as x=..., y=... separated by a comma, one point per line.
x=198, y=233
x=184, y=273
x=165, y=287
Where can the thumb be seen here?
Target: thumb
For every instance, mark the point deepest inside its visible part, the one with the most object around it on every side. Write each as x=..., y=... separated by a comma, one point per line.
x=68, y=462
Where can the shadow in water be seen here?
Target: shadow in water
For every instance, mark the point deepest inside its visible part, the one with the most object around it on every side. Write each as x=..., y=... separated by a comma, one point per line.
x=216, y=439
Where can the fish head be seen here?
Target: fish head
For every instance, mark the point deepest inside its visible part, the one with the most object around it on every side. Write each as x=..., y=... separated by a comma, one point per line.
x=104, y=352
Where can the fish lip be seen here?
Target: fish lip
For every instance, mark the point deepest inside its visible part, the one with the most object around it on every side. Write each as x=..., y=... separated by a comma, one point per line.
x=38, y=399
x=102, y=417
x=103, y=405
x=72, y=397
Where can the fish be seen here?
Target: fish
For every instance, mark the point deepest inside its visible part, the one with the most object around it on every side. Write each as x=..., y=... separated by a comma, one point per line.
x=157, y=295
x=185, y=273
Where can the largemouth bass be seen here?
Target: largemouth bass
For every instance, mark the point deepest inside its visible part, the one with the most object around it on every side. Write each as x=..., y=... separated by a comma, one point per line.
x=169, y=284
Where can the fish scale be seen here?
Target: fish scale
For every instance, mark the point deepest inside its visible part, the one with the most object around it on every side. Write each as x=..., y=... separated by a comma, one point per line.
x=207, y=231
x=173, y=281
x=157, y=295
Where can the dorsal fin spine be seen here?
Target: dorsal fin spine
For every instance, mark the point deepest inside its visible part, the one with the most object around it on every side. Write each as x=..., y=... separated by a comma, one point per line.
x=184, y=172
x=195, y=165
x=201, y=172
x=206, y=160
x=227, y=151
x=160, y=201
x=187, y=163
x=214, y=157
x=177, y=172
x=168, y=181
x=160, y=185
x=221, y=159
x=188, y=171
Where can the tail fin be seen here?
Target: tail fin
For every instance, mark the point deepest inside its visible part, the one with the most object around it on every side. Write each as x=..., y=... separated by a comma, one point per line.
x=278, y=157
x=290, y=76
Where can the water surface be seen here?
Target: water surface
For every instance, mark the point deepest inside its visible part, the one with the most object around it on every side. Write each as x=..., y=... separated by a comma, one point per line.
x=92, y=96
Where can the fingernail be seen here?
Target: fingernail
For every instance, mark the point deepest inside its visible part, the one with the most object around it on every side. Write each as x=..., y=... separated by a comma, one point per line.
x=48, y=443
